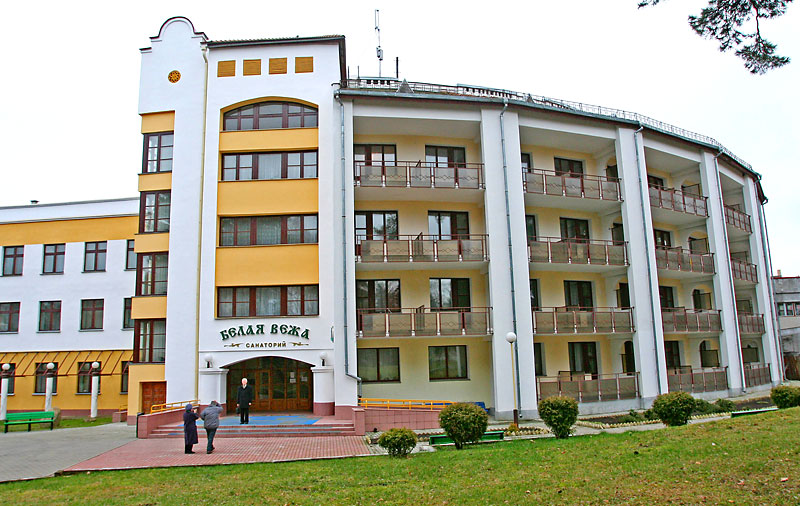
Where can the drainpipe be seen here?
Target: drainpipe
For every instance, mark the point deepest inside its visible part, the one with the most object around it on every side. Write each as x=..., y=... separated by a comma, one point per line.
x=204, y=52
x=776, y=322
x=647, y=255
x=510, y=255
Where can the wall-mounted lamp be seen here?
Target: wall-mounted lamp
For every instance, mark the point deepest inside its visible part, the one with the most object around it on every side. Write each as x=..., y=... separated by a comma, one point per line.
x=323, y=356
x=208, y=357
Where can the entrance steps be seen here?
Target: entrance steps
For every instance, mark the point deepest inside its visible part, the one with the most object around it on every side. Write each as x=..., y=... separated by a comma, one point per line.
x=339, y=428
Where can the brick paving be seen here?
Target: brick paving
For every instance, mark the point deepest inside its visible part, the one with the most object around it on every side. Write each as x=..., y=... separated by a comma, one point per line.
x=145, y=453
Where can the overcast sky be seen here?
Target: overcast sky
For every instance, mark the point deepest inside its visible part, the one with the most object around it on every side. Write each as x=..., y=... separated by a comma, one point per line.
x=69, y=126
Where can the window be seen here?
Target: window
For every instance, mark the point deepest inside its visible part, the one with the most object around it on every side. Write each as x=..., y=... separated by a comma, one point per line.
x=40, y=378
x=667, y=297
x=538, y=355
x=708, y=357
x=446, y=225
x=583, y=358
x=691, y=189
x=698, y=245
x=154, y=211
x=50, y=316
x=378, y=294
x=9, y=316
x=92, y=314
x=268, y=301
x=94, y=259
x=745, y=306
x=655, y=181
x=749, y=354
x=662, y=238
x=53, y=262
x=130, y=256
x=527, y=163
x=701, y=300
x=268, y=230
x=628, y=358
x=530, y=226
x=123, y=381
x=376, y=225
x=449, y=293
x=566, y=166
x=269, y=115
x=623, y=295
x=447, y=362
x=617, y=233
x=11, y=374
x=380, y=155
x=157, y=152
x=379, y=365
x=445, y=156
x=535, y=305
x=578, y=294
x=150, y=341
x=127, y=321
x=12, y=260
x=266, y=166
x=574, y=229
x=612, y=172
x=151, y=276
x=672, y=353
x=85, y=378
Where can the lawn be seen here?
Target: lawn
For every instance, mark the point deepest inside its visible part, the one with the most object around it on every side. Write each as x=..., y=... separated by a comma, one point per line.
x=66, y=423
x=749, y=460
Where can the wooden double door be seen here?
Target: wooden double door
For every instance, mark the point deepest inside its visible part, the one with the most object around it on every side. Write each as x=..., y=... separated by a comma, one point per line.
x=279, y=384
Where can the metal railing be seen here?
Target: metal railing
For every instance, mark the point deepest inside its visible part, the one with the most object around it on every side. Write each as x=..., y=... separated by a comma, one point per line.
x=682, y=320
x=422, y=248
x=706, y=379
x=403, y=404
x=585, y=387
x=677, y=200
x=757, y=374
x=744, y=271
x=424, y=321
x=684, y=260
x=169, y=406
x=548, y=182
x=751, y=323
x=419, y=174
x=556, y=250
x=738, y=219
x=582, y=320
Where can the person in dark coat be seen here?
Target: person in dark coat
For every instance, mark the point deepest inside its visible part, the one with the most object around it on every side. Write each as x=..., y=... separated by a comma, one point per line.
x=244, y=397
x=189, y=428
x=210, y=417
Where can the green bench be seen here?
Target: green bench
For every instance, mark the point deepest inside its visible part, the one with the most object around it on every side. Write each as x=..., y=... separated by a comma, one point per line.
x=29, y=418
x=490, y=435
x=752, y=412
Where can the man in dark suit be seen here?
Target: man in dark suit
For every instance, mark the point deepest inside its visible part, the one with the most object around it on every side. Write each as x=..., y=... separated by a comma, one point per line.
x=244, y=397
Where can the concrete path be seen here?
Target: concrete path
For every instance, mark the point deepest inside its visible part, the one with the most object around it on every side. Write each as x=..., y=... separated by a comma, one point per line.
x=37, y=454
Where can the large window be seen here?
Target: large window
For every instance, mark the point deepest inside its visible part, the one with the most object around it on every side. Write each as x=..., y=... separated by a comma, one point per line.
x=379, y=365
x=583, y=358
x=150, y=341
x=152, y=274
x=448, y=224
x=49, y=316
x=445, y=156
x=12, y=260
x=447, y=362
x=9, y=316
x=574, y=229
x=11, y=373
x=154, y=211
x=449, y=293
x=666, y=295
x=92, y=314
x=130, y=256
x=268, y=230
x=157, y=152
x=94, y=259
x=40, y=378
x=566, y=166
x=85, y=378
x=662, y=237
x=375, y=154
x=578, y=294
x=701, y=300
x=53, y=261
x=376, y=225
x=268, y=301
x=672, y=354
x=378, y=294
x=269, y=115
x=127, y=321
x=264, y=166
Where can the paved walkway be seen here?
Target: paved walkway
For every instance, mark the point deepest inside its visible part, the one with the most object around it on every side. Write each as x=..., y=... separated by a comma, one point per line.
x=37, y=454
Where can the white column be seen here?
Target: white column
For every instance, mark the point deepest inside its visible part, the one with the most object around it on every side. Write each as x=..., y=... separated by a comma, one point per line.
x=95, y=388
x=4, y=391
x=212, y=384
x=323, y=390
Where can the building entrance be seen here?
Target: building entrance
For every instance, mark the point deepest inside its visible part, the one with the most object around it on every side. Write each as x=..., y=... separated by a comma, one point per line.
x=279, y=384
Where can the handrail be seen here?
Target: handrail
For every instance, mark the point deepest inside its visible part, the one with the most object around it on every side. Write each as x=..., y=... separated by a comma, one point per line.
x=585, y=387
x=422, y=248
x=704, y=379
x=744, y=271
x=678, y=319
x=419, y=174
x=558, y=250
x=751, y=323
x=677, y=200
x=757, y=374
x=424, y=321
x=403, y=404
x=682, y=259
x=169, y=406
x=582, y=320
x=738, y=219
x=568, y=184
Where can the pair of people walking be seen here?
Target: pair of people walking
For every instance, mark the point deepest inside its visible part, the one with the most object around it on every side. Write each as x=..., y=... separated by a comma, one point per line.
x=210, y=417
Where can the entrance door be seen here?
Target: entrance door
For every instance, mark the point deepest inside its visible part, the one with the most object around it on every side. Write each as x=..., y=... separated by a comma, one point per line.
x=279, y=384
x=153, y=392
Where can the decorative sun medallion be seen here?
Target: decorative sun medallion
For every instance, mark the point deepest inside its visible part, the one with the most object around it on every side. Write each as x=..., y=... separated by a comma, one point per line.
x=174, y=76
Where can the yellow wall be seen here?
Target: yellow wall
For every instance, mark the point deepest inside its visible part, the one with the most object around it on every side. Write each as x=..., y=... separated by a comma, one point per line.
x=415, y=284
x=138, y=374
x=158, y=122
x=151, y=243
x=556, y=352
x=266, y=140
x=155, y=181
x=412, y=147
x=63, y=231
x=548, y=222
x=551, y=287
x=543, y=158
x=259, y=198
x=149, y=307
x=412, y=217
x=294, y=264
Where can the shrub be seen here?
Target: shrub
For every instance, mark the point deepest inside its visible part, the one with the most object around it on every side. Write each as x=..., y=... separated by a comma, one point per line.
x=559, y=414
x=649, y=414
x=674, y=408
x=785, y=396
x=702, y=407
x=513, y=428
x=724, y=406
x=398, y=442
x=463, y=422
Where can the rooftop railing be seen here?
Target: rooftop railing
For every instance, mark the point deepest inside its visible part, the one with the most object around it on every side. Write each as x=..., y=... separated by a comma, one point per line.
x=680, y=320
x=422, y=248
x=751, y=323
x=684, y=260
x=738, y=219
x=677, y=200
x=582, y=320
x=548, y=182
x=556, y=250
x=744, y=271
x=706, y=379
x=757, y=374
x=419, y=174
x=585, y=387
x=424, y=321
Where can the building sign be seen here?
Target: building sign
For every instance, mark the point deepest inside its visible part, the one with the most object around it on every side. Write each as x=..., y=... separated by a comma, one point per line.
x=260, y=329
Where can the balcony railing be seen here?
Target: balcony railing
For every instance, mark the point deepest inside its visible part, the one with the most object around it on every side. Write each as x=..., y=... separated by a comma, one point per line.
x=691, y=320
x=677, y=200
x=556, y=250
x=422, y=248
x=589, y=387
x=582, y=320
x=548, y=182
x=684, y=260
x=419, y=174
x=757, y=374
x=750, y=323
x=738, y=219
x=707, y=379
x=744, y=271
x=424, y=321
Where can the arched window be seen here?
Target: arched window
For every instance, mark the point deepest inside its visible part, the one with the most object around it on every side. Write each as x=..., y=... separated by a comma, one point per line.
x=270, y=115
x=708, y=357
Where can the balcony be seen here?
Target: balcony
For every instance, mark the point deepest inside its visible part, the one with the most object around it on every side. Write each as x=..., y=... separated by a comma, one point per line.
x=415, y=251
x=589, y=387
x=424, y=322
x=691, y=321
x=682, y=260
x=751, y=324
x=391, y=180
x=740, y=223
x=757, y=374
x=548, y=188
x=582, y=320
x=706, y=379
x=552, y=253
x=676, y=206
x=743, y=271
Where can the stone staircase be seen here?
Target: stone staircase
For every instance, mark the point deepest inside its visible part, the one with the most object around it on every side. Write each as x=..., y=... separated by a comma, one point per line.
x=337, y=428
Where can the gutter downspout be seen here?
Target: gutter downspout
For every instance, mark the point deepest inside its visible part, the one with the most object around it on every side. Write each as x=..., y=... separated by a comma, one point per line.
x=776, y=322
x=200, y=232
x=647, y=255
x=510, y=255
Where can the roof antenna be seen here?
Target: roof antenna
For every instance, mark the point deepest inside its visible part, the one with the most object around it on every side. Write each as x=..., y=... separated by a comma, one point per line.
x=379, y=51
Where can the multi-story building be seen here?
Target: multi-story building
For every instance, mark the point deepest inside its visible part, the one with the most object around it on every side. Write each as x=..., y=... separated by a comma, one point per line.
x=334, y=239
x=787, y=299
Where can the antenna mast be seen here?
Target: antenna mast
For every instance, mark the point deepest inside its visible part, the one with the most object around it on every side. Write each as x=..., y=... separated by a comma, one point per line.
x=379, y=51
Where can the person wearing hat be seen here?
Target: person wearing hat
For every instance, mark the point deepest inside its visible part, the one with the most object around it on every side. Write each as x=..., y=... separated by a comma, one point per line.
x=189, y=428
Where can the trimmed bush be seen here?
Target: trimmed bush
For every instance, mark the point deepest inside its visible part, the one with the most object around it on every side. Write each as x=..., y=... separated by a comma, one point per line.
x=702, y=407
x=674, y=408
x=559, y=414
x=513, y=428
x=649, y=414
x=398, y=442
x=463, y=422
x=785, y=396
x=724, y=406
